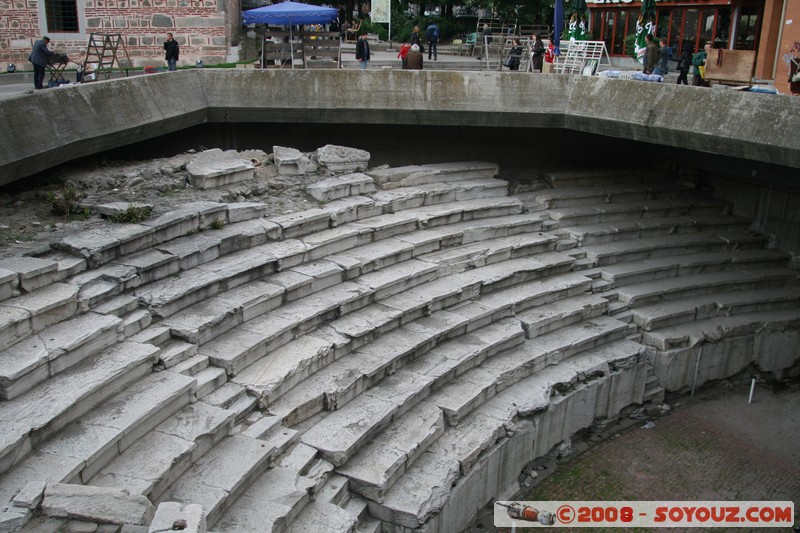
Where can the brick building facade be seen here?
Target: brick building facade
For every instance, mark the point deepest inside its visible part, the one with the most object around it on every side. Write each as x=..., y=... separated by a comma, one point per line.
x=205, y=29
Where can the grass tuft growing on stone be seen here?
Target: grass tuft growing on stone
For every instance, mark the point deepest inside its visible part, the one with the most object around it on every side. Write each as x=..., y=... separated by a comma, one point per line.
x=62, y=204
x=132, y=214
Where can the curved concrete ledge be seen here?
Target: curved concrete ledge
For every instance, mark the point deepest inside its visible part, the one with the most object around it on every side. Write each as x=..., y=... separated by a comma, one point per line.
x=54, y=126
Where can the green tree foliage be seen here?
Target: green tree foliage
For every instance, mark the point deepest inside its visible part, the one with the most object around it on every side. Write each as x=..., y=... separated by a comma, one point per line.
x=406, y=15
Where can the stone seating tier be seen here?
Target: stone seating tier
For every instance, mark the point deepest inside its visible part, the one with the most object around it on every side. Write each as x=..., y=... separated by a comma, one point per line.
x=666, y=314
x=652, y=227
x=665, y=267
x=670, y=246
x=565, y=197
x=399, y=344
x=609, y=177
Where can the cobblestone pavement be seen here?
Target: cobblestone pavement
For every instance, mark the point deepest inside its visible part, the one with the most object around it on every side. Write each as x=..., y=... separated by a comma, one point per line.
x=711, y=447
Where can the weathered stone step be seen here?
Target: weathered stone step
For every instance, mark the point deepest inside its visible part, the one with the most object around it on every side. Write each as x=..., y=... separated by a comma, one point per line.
x=665, y=267
x=341, y=186
x=324, y=517
x=701, y=284
x=187, y=218
x=26, y=274
x=190, y=251
x=448, y=483
x=545, y=319
x=98, y=285
x=743, y=326
x=252, y=340
x=55, y=349
x=32, y=312
x=622, y=211
x=9, y=284
x=463, y=394
x=82, y=448
x=389, y=178
x=457, y=355
x=342, y=380
x=693, y=353
x=220, y=476
x=155, y=334
x=214, y=168
x=101, y=245
x=35, y=415
x=211, y=317
x=671, y=245
x=604, y=177
x=180, y=440
x=121, y=421
x=607, y=193
x=119, y=306
x=492, y=251
x=174, y=352
x=338, y=435
x=279, y=495
x=653, y=227
x=381, y=462
x=208, y=380
x=168, y=296
x=400, y=198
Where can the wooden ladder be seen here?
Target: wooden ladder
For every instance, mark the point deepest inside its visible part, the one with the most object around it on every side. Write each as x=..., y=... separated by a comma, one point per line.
x=103, y=50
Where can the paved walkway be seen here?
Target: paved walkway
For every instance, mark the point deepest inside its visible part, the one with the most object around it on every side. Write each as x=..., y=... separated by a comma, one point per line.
x=712, y=447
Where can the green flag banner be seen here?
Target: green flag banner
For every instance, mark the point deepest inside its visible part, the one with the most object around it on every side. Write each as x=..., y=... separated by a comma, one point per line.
x=642, y=29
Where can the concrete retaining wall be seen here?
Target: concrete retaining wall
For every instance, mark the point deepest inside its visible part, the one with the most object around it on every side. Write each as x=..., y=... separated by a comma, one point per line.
x=54, y=126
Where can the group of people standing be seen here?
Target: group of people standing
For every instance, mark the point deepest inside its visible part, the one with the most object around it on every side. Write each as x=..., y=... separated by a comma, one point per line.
x=656, y=60
x=514, y=57
x=410, y=53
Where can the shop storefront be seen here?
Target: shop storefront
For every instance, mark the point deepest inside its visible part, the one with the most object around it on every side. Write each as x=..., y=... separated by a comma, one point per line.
x=685, y=23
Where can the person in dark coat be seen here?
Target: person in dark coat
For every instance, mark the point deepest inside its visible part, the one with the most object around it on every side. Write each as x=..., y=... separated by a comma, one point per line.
x=515, y=55
x=432, y=33
x=414, y=58
x=362, y=52
x=651, y=54
x=663, y=59
x=39, y=57
x=415, y=39
x=538, y=52
x=684, y=63
x=172, y=51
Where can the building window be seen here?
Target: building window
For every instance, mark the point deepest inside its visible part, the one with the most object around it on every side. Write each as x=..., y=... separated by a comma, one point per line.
x=62, y=16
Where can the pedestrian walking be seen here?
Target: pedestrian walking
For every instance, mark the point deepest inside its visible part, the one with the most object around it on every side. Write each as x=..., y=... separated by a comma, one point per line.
x=651, y=54
x=699, y=62
x=663, y=59
x=684, y=63
x=432, y=33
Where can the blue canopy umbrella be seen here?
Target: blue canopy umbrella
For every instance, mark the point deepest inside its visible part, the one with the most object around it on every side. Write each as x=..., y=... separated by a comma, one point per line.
x=558, y=25
x=290, y=14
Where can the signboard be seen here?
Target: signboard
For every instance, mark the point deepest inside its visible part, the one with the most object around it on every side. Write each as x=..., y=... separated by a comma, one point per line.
x=381, y=11
x=730, y=66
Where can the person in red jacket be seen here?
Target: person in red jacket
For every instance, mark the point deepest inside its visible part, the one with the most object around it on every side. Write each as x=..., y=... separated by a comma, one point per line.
x=404, y=49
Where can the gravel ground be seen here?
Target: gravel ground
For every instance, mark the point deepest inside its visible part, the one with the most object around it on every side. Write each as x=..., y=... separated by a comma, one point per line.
x=714, y=446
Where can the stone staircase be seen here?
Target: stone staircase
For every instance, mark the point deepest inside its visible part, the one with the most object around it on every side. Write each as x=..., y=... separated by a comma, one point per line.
x=390, y=359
